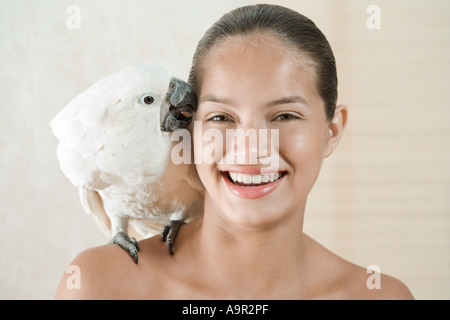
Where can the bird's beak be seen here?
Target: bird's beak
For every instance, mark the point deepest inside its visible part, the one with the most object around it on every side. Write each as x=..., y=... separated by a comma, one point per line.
x=180, y=105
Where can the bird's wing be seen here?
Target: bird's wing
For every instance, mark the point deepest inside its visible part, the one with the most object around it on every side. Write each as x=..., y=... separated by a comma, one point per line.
x=92, y=204
x=79, y=127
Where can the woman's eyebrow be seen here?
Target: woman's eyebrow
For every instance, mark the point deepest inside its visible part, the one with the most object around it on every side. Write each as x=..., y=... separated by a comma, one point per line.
x=216, y=99
x=227, y=101
x=289, y=99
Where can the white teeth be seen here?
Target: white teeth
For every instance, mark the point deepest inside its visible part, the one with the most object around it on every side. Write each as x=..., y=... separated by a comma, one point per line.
x=274, y=176
x=254, y=179
x=247, y=178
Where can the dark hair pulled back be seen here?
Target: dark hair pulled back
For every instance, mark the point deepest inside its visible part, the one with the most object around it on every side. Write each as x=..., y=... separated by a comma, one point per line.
x=294, y=29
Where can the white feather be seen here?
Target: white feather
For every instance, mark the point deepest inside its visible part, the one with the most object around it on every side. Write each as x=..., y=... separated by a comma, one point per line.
x=111, y=148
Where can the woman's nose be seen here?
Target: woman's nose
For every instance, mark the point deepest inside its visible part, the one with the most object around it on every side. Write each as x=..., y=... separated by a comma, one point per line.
x=251, y=143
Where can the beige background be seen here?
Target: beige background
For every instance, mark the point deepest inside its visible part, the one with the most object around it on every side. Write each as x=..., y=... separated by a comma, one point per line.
x=383, y=198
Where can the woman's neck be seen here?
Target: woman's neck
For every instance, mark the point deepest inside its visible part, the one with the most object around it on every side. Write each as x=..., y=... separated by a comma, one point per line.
x=259, y=258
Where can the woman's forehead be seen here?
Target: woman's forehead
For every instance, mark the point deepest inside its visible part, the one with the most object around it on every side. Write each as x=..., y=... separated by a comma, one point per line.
x=239, y=68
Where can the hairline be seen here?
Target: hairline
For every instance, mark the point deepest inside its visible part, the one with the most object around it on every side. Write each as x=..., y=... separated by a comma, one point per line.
x=299, y=57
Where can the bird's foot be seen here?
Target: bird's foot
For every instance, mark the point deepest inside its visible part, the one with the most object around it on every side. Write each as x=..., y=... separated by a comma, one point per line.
x=170, y=232
x=130, y=245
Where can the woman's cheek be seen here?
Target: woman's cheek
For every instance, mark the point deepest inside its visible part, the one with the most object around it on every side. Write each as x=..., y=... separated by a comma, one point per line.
x=302, y=150
x=209, y=144
x=291, y=144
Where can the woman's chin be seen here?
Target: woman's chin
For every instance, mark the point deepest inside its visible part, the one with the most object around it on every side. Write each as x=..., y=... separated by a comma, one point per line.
x=255, y=214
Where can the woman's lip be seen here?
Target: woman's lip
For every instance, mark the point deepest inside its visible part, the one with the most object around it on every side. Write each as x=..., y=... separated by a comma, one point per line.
x=251, y=192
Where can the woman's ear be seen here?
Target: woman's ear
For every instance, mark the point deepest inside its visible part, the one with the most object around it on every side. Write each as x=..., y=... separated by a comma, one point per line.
x=336, y=129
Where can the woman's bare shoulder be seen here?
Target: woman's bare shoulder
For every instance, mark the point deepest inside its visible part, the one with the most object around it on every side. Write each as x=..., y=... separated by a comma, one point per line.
x=349, y=281
x=108, y=272
x=371, y=284
x=94, y=274
x=389, y=287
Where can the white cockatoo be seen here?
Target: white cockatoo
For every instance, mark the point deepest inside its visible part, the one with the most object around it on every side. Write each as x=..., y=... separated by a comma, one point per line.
x=115, y=147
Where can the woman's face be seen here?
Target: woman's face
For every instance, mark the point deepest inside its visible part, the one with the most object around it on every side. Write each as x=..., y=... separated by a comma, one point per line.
x=264, y=89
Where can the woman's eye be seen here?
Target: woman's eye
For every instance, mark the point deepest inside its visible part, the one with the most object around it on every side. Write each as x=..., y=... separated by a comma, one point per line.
x=219, y=118
x=286, y=116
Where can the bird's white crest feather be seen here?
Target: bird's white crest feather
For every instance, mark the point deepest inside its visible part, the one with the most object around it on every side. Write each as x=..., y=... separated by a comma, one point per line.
x=103, y=132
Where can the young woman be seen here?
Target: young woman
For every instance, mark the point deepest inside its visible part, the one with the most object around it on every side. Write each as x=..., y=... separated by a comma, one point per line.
x=260, y=67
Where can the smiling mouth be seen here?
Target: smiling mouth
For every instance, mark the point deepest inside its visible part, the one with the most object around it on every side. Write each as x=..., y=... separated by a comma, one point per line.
x=253, y=180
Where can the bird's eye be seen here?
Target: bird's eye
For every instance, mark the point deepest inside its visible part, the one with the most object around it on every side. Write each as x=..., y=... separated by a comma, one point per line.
x=148, y=99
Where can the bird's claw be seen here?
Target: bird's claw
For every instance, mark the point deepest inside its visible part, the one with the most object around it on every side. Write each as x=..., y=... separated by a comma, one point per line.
x=130, y=245
x=170, y=232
